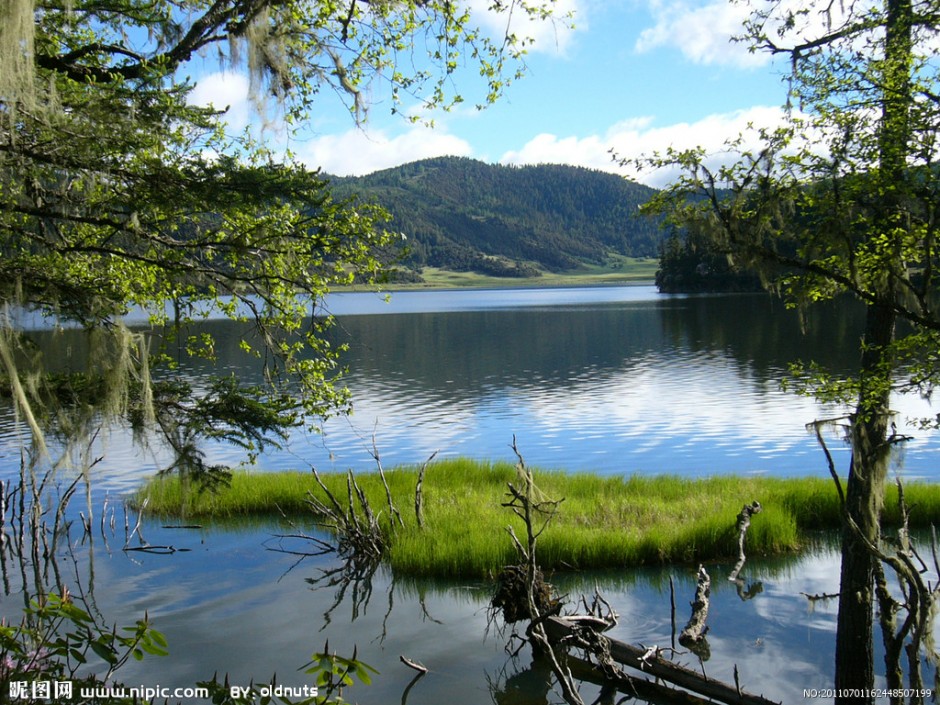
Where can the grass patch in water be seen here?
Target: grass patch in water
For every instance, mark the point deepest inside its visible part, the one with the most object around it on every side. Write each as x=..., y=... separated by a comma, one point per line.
x=603, y=522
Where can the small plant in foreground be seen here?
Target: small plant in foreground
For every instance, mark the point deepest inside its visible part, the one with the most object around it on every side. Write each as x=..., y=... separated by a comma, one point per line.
x=56, y=640
x=48, y=657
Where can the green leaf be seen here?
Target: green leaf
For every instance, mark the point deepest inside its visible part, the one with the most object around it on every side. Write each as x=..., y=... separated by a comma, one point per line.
x=104, y=651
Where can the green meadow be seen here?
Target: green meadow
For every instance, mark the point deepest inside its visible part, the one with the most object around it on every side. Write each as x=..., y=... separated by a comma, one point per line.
x=618, y=270
x=602, y=522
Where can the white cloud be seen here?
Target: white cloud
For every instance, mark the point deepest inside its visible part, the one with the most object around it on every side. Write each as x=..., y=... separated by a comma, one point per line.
x=357, y=152
x=225, y=90
x=592, y=151
x=552, y=35
x=632, y=139
x=703, y=32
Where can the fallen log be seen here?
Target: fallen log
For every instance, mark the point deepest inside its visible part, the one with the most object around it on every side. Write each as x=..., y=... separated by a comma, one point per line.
x=645, y=690
x=560, y=629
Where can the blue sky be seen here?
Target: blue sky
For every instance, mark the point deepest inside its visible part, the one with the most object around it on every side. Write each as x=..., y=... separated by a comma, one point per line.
x=634, y=76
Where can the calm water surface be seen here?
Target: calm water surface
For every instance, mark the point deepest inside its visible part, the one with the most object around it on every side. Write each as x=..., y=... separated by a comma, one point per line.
x=613, y=380
x=229, y=605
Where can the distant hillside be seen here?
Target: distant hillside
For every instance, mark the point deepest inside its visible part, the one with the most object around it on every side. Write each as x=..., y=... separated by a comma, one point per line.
x=463, y=215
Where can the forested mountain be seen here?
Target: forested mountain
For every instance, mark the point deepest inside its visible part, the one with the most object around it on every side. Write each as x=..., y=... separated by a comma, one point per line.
x=462, y=214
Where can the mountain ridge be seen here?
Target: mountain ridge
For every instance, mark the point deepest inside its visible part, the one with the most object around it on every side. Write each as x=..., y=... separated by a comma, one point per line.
x=462, y=214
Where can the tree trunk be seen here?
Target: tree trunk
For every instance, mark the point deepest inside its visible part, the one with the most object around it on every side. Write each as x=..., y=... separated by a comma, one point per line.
x=870, y=447
x=864, y=500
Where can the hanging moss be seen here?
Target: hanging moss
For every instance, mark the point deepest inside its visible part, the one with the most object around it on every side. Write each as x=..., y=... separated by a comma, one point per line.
x=17, y=30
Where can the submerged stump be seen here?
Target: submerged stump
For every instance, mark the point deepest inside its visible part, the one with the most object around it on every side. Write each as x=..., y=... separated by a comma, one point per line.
x=693, y=636
x=512, y=598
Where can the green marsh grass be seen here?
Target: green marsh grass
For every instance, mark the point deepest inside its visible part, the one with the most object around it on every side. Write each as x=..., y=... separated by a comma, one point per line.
x=603, y=522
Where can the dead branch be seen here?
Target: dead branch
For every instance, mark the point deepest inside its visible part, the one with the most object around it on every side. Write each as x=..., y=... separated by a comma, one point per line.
x=672, y=610
x=639, y=688
x=353, y=486
x=393, y=512
x=337, y=508
x=525, y=507
x=820, y=596
x=599, y=614
x=419, y=497
x=355, y=537
x=817, y=427
x=421, y=668
x=517, y=544
x=136, y=529
x=322, y=547
x=160, y=550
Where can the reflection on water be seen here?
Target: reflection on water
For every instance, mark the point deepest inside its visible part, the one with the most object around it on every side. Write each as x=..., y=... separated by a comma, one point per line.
x=612, y=380
x=231, y=606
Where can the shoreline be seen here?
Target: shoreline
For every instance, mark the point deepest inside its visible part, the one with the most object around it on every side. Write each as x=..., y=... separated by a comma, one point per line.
x=630, y=271
x=497, y=284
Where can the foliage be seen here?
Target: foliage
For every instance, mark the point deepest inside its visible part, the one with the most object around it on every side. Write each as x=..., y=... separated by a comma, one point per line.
x=841, y=200
x=245, y=416
x=293, y=50
x=818, y=221
x=117, y=192
x=462, y=214
x=56, y=643
x=690, y=264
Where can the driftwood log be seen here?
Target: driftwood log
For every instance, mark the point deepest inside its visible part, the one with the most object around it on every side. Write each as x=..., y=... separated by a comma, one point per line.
x=561, y=630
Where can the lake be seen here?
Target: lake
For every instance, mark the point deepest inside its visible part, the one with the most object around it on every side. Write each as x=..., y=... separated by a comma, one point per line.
x=228, y=605
x=614, y=380
x=605, y=379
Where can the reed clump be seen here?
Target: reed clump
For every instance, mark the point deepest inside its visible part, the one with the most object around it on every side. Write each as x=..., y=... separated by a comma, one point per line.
x=603, y=522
